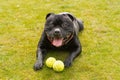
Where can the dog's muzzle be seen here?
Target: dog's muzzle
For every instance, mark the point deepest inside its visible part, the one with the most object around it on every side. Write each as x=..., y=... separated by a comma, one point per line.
x=58, y=40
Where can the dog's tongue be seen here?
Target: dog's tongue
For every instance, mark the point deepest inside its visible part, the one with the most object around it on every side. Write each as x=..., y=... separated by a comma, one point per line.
x=57, y=42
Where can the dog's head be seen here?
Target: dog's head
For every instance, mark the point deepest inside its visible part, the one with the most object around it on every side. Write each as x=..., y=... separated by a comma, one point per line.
x=59, y=28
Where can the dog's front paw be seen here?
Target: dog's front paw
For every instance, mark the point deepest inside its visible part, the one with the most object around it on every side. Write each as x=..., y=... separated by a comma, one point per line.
x=38, y=65
x=67, y=63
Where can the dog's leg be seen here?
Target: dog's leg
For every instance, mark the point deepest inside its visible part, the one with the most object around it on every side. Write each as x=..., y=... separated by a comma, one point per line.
x=40, y=54
x=75, y=50
x=39, y=62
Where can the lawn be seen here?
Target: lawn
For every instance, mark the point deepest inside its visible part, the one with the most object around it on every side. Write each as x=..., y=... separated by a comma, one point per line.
x=22, y=22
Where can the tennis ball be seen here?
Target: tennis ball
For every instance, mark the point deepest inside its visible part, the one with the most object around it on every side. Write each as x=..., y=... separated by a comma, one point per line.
x=58, y=66
x=50, y=61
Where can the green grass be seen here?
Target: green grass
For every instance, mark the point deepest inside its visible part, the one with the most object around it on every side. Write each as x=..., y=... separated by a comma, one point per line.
x=22, y=22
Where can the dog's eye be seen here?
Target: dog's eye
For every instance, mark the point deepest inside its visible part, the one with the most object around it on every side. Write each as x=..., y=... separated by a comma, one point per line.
x=65, y=25
x=49, y=25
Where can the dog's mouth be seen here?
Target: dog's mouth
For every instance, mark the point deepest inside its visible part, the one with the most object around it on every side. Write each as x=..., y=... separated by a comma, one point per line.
x=59, y=41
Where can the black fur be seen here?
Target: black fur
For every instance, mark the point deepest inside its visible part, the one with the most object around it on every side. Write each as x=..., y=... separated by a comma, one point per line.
x=66, y=24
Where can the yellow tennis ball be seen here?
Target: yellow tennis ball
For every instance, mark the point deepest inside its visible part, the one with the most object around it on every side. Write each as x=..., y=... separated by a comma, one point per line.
x=50, y=61
x=58, y=66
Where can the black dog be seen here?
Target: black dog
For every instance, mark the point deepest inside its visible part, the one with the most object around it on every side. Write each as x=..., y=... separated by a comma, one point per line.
x=60, y=32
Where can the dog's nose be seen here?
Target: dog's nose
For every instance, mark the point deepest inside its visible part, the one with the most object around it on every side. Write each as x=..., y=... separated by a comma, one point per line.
x=57, y=31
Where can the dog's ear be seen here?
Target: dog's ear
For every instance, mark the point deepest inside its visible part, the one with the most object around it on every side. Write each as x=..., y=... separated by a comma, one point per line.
x=49, y=14
x=70, y=16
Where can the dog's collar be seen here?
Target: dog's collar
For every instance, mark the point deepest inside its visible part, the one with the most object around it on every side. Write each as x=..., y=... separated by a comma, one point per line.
x=71, y=36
